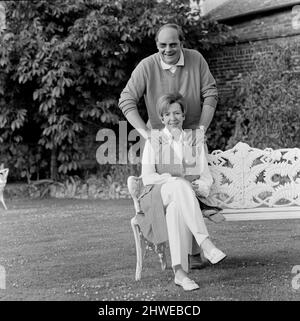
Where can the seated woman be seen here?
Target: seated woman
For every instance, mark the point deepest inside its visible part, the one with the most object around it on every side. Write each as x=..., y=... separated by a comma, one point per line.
x=170, y=206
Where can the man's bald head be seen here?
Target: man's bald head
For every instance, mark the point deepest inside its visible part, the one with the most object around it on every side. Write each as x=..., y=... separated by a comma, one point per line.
x=171, y=26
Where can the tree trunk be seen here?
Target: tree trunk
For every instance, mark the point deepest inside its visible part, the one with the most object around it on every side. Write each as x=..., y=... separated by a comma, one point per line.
x=53, y=164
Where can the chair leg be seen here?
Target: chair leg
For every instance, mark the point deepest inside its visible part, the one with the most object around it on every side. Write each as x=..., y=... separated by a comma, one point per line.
x=139, y=249
x=2, y=200
x=161, y=251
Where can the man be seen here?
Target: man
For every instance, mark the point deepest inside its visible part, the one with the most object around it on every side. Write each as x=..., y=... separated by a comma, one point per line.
x=172, y=69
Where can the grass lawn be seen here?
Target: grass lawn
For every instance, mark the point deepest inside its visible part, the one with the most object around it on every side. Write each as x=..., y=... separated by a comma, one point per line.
x=84, y=250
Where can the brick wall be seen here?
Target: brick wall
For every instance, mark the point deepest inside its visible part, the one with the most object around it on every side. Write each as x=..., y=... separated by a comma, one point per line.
x=229, y=63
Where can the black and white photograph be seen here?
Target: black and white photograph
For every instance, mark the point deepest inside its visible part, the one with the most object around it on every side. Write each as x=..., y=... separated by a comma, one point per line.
x=150, y=153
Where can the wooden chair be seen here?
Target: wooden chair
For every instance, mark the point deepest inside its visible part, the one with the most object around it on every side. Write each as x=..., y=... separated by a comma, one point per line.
x=142, y=245
x=3, y=179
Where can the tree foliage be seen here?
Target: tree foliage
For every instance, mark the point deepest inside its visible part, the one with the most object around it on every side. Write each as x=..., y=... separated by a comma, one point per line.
x=63, y=65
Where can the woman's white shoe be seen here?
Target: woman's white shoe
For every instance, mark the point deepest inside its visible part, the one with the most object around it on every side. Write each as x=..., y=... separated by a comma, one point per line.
x=187, y=284
x=215, y=256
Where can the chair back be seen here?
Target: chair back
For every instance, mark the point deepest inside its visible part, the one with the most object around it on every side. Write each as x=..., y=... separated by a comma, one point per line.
x=3, y=178
x=135, y=185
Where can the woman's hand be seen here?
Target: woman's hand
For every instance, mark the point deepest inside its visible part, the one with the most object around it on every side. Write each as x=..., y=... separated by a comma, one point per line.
x=201, y=189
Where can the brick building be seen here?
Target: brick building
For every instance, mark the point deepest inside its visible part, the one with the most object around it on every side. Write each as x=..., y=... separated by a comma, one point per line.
x=258, y=25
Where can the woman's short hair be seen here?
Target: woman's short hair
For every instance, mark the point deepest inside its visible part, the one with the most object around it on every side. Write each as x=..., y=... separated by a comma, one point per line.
x=173, y=26
x=164, y=102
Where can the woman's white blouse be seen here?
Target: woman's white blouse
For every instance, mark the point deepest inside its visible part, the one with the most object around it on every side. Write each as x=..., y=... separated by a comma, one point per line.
x=149, y=159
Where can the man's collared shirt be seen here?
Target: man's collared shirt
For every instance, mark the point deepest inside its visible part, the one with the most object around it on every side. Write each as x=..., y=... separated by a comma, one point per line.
x=173, y=68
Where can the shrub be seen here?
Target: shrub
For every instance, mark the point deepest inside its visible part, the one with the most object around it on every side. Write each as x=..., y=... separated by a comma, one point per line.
x=110, y=182
x=223, y=123
x=64, y=63
x=269, y=102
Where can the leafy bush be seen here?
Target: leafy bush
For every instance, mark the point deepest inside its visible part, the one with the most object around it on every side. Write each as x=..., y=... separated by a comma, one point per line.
x=269, y=102
x=223, y=124
x=110, y=182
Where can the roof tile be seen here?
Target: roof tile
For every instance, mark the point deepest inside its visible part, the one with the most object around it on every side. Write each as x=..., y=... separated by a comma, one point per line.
x=233, y=8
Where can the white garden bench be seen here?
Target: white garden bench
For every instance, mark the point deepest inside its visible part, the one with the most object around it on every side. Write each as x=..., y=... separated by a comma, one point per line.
x=3, y=179
x=249, y=184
